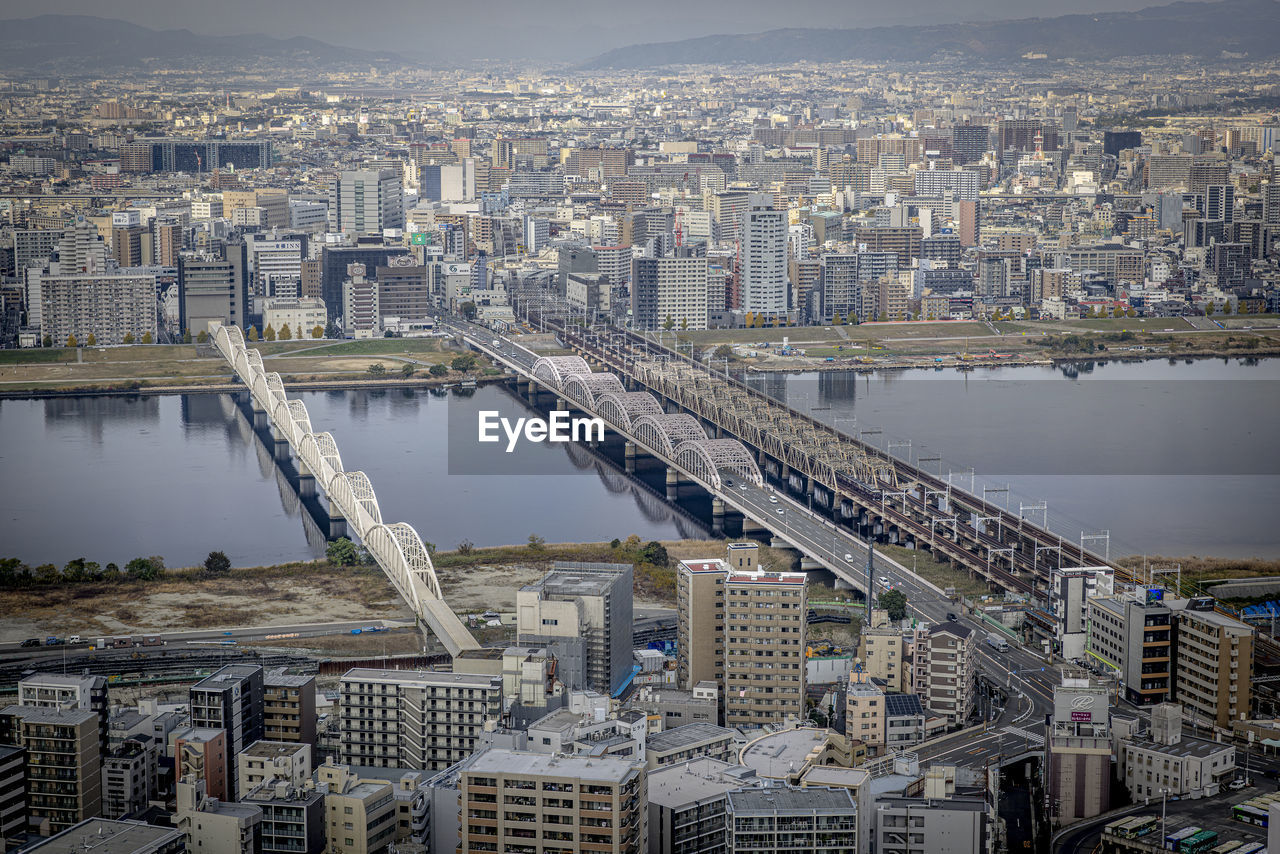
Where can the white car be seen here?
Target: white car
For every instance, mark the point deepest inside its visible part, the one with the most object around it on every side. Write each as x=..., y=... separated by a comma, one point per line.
x=1236, y=785
x=773, y=499
x=849, y=558
x=884, y=582
x=743, y=487
x=780, y=512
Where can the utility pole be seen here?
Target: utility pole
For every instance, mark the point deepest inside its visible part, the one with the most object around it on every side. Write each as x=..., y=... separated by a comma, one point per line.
x=871, y=550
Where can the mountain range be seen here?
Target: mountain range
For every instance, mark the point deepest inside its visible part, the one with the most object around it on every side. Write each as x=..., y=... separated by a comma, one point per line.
x=74, y=43
x=1207, y=30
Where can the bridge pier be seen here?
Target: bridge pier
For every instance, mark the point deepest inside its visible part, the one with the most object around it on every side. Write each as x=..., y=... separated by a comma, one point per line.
x=306, y=485
x=717, y=515
x=629, y=457
x=281, y=449
x=337, y=523
x=260, y=420
x=673, y=483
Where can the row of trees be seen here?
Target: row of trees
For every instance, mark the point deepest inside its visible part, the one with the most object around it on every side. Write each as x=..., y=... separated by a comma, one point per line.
x=17, y=575
x=284, y=334
x=92, y=340
x=462, y=364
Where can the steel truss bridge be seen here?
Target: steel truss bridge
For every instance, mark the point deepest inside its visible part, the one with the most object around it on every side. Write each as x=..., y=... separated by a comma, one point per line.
x=843, y=478
x=395, y=546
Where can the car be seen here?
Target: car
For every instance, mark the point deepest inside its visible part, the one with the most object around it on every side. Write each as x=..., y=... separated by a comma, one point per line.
x=1236, y=785
x=773, y=499
x=31, y=642
x=780, y=512
x=743, y=487
x=848, y=557
x=728, y=483
x=951, y=615
x=883, y=581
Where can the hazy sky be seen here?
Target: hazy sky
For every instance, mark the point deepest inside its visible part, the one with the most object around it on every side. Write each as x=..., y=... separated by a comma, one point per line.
x=539, y=29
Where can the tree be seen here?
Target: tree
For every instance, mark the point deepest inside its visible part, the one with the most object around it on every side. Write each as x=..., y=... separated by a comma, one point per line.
x=467, y=310
x=406, y=370
x=253, y=333
x=203, y=337
x=536, y=543
x=92, y=340
x=895, y=602
x=332, y=330
x=148, y=338
x=883, y=317
x=128, y=338
x=72, y=342
x=145, y=568
x=437, y=370
x=186, y=336
x=1208, y=309
x=269, y=334
x=285, y=333
x=343, y=552
x=655, y=553
x=377, y=369
x=217, y=563
x=463, y=363
x=47, y=341
x=317, y=331
x=466, y=547
x=684, y=323
x=668, y=324
x=614, y=543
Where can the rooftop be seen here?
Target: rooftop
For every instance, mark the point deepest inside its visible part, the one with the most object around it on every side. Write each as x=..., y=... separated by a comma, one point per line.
x=109, y=837
x=226, y=675
x=286, y=680
x=1189, y=746
x=522, y=763
x=780, y=754
x=441, y=678
x=712, y=565
x=701, y=779
x=42, y=714
x=272, y=749
x=787, y=799
x=686, y=736
x=901, y=705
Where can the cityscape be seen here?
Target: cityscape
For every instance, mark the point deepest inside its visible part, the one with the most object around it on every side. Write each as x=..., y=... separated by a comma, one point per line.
x=574, y=430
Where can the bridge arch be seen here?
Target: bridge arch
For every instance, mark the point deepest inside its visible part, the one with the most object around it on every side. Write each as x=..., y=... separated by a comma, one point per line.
x=585, y=389
x=665, y=433
x=353, y=492
x=622, y=408
x=301, y=418
x=706, y=458
x=402, y=549
x=554, y=370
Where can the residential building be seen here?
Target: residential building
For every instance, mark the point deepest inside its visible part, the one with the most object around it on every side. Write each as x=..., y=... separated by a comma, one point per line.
x=360, y=814
x=13, y=791
x=683, y=743
x=669, y=290
x=1213, y=673
x=700, y=622
x=516, y=801
x=63, y=691
x=688, y=806
x=1079, y=751
x=884, y=657
x=904, y=721
x=366, y=201
x=762, y=258
x=289, y=708
x=273, y=201
x=202, y=754
x=130, y=777
x=782, y=818
x=415, y=719
x=581, y=612
x=113, y=837
x=948, y=688
x=293, y=817
x=764, y=664
x=213, y=825
x=969, y=143
x=111, y=308
x=231, y=699
x=865, y=712
x=952, y=826
x=64, y=762
x=274, y=761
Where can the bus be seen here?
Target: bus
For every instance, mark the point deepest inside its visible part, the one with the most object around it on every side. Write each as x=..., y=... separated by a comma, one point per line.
x=1227, y=847
x=1171, y=841
x=1198, y=844
x=1250, y=814
x=1140, y=826
x=1249, y=848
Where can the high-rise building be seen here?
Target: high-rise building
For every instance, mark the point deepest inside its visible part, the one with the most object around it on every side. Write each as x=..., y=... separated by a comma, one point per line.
x=13, y=791
x=1220, y=202
x=1079, y=751
x=700, y=622
x=64, y=762
x=762, y=258
x=946, y=681
x=366, y=201
x=1026, y=135
x=230, y=699
x=274, y=203
x=127, y=245
x=969, y=143
x=515, y=801
x=1203, y=175
x=673, y=289
x=1115, y=141
x=727, y=209
x=840, y=288
x=61, y=691
x=111, y=308
x=581, y=613
x=1131, y=633
x=764, y=647
x=415, y=718
x=961, y=183
x=1213, y=674
x=214, y=289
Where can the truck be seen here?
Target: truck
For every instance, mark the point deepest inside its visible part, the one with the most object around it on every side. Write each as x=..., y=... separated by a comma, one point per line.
x=997, y=642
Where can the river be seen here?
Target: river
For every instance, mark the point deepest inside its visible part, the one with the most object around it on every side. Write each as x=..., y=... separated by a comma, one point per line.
x=1170, y=459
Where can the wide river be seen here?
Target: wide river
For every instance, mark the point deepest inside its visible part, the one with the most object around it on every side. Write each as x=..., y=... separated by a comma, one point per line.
x=1169, y=459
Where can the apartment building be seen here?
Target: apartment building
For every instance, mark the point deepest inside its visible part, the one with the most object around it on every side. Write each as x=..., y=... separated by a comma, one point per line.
x=884, y=658
x=784, y=819
x=414, y=719
x=669, y=289
x=230, y=698
x=1213, y=663
x=764, y=664
x=64, y=762
x=213, y=825
x=203, y=754
x=688, y=806
x=293, y=818
x=62, y=691
x=111, y=308
x=13, y=790
x=700, y=622
x=948, y=672
x=683, y=743
x=865, y=713
x=130, y=777
x=132, y=837
x=360, y=815
x=273, y=761
x=289, y=708
x=515, y=801
x=1131, y=634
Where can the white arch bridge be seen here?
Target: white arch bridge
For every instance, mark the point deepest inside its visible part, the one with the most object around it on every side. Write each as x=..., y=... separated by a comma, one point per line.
x=396, y=546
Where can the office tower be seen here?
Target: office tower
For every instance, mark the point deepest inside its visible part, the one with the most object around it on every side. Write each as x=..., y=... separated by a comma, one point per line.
x=404, y=291
x=334, y=263
x=1079, y=751
x=415, y=718
x=669, y=289
x=214, y=289
x=366, y=201
x=108, y=307
x=1213, y=674
x=230, y=699
x=1115, y=141
x=969, y=142
x=902, y=240
x=1132, y=634
x=764, y=647
x=168, y=243
x=60, y=691
x=515, y=801
x=64, y=762
x=1220, y=202
x=784, y=819
x=700, y=622
x=762, y=258
x=582, y=614
x=945, y=682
